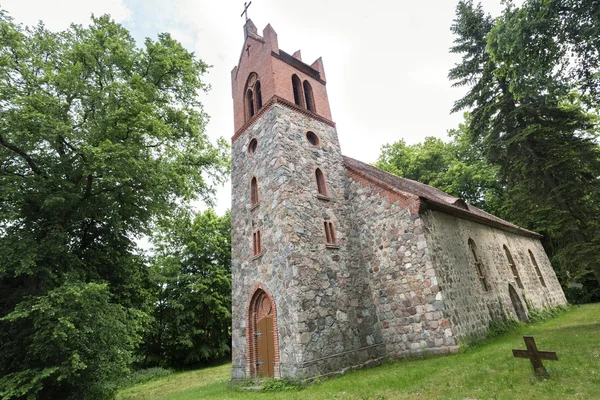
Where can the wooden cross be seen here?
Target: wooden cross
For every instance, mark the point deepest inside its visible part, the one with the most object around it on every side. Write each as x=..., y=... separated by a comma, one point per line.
x=535, y=356
x=246, y=10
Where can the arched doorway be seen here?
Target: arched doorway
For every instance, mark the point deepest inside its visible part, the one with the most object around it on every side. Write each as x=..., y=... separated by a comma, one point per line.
x=517, y=304
x=263, y=350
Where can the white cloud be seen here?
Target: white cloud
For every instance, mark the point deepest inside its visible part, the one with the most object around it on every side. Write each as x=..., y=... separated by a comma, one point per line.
x=58, y=15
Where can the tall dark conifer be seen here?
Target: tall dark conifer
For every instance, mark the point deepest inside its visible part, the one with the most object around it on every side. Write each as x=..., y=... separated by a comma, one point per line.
x=535, y=130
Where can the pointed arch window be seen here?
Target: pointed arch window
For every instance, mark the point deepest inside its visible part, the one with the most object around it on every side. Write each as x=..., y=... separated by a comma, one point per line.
x=537, y=269
x=257, y=243
x=254, y=191
x=330, y=239
x=321, y=186
x=308, y=95
x=513, y=267
x=479, y=268
x=298, y=92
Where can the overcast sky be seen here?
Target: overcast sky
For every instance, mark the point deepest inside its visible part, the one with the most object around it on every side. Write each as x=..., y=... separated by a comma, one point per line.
x=386, y=62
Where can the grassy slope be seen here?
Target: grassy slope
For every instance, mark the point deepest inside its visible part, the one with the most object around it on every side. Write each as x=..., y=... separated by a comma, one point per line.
x=487, y=371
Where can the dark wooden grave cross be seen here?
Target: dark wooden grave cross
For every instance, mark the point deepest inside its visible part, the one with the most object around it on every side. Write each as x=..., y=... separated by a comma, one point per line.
x=535, y=356
x=246, y=10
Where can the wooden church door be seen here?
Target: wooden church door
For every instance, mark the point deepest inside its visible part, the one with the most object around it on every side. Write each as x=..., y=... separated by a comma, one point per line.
x=265, y=348
x=263, y=356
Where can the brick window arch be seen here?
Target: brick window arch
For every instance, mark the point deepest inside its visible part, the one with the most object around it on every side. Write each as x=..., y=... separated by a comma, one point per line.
x=254, y=191
x=261, y=312
x=257, y=243
x=330, y=238
x=252, y=96
x=513, y=267
x=298, y=92
x=308, y=95
x=321, y=185
x=479, y=267
x=537, y=269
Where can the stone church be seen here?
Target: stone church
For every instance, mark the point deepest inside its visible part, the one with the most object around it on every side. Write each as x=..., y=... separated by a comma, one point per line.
x=337, y=264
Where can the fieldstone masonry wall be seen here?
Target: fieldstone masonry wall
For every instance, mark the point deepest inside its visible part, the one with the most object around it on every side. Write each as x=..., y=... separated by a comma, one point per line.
x=390, y=243
x=468, y=306
x=326, y=319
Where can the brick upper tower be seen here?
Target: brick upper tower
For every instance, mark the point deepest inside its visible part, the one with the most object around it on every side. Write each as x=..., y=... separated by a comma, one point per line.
x=263, y=75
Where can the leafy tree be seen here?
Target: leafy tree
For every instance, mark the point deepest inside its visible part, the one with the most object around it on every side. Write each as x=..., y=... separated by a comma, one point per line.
x=457, y=167
x=553, y=44
x=98, y=140
x=75, y=334
x=192, y=289
x=533, y=128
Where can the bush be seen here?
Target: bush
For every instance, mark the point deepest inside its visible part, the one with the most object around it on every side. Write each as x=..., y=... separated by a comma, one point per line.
x=537, y=315
x=74, y=344
x=583, y=290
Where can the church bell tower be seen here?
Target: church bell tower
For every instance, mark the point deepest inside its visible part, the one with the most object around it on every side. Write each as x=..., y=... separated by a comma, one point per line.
x=298, y=309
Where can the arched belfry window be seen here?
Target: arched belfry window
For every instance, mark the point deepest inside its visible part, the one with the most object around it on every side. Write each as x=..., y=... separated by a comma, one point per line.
x=321, y=186
x=250, y=99
x=254, y=191
x=537, y=269
x=252, y=96
x=513, y=267
x=258, y=96
x=479, y=268
x=298, y=92
x=308, y=94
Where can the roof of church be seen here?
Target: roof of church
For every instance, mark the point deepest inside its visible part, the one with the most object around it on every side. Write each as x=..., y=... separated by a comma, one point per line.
x=434, y=198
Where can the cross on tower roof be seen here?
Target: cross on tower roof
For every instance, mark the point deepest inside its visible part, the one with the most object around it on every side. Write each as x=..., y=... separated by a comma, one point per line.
x=246, y=10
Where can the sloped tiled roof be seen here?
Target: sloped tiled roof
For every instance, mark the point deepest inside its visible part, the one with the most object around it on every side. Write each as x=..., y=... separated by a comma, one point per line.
x=434, y=198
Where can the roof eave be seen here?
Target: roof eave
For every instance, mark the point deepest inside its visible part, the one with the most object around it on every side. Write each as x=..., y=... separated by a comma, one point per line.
x=455, y=211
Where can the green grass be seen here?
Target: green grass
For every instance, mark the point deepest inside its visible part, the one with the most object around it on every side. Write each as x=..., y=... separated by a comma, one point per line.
x=484, y=371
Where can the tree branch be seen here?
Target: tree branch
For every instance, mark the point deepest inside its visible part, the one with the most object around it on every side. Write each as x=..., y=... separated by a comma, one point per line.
x=30, y=161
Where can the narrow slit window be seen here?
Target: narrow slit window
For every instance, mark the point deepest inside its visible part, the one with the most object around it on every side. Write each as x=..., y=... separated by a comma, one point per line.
x=308, y=94
x=254, y=191
x=479, y=268
x=256, y=243
x=298, y=95
x=321, y=187
x=513, y=267
x=330, y=238
x=537, y=269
